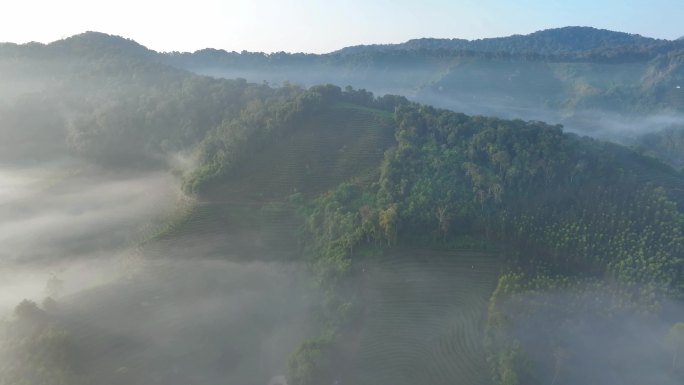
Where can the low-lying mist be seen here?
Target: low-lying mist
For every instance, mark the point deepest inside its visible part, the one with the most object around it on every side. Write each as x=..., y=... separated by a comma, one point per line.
x=595, y=122
x=655, y=133
x=595, y=334
x=600, y=123
x=71, y=220
x=179, y=315
x=197, y=321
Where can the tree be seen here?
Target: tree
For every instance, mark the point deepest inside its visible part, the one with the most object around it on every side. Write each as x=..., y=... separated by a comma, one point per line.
x=28, y=311
x=388, y=223
x=444, y=220
x=311, y=364
x=54, y=286
x=675, y=341
x=559, y=357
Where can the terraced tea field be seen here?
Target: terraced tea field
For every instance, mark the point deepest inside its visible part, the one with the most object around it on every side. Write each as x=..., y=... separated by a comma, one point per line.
x=328, y=148
x=248, y=217
x=425, y=316
x=425, y=309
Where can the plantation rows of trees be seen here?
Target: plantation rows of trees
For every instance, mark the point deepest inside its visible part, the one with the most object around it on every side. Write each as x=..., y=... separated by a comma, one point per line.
x=267, y=120
x=571, y=213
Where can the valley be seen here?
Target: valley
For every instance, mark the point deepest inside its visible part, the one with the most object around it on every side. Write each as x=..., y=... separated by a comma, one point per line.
x=390, y=214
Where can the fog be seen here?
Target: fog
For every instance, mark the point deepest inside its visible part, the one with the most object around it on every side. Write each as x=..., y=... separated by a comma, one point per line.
x=601, y=335
x=403, y=81
x=654, y=133
x=598, y=123
x=74, y=222
x=416, y=84
x=619, y=128
x=147, y=284
x=80, y=214
x=175, y=315
x=197, y=321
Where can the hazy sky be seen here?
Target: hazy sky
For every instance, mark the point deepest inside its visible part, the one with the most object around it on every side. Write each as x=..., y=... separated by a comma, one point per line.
x=324, y=25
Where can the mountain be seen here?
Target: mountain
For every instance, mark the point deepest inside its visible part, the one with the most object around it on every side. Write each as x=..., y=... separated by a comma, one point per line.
x=97, y=43
x=560, y=75
x=87, y=45
x=565, y=75
x=547, y=42
x=343, y=237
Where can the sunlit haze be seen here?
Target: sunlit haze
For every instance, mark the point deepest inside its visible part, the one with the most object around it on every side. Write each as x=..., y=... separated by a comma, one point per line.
x=323, y=26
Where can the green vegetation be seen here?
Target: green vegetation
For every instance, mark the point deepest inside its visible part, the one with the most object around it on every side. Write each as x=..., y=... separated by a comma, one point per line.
x=666, y=145
x=675, y=341
x=570, y=211
x=555, y=73
x=36, y=349
x=318, y=137
x=529, y=241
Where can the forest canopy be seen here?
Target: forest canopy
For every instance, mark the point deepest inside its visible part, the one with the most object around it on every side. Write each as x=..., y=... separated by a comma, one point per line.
x=582, y=233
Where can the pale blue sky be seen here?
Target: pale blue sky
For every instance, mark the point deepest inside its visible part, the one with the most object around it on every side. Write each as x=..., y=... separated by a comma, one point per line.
x=323, y=26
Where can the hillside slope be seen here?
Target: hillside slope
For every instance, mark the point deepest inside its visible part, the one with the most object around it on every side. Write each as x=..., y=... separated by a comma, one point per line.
x=421, y=245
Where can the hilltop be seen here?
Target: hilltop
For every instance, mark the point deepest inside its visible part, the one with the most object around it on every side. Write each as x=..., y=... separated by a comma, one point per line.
x=556, y=41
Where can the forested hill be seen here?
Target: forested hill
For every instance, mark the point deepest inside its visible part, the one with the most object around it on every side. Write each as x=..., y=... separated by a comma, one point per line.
x=555, y=74
x=564, y=75
x=557, y=41
x=610, y=85
x=572, y=242
x=593, y=221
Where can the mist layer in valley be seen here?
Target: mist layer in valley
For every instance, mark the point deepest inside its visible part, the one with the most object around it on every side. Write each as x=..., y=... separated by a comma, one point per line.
x=571, y=76
x=74, y=234
x=162, y=226
x=73, y=222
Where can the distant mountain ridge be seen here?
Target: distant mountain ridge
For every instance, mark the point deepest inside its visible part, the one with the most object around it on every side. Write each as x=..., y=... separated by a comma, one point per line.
x=544, y=42
x=92, y=41
x=549, y=41
x=551, y=75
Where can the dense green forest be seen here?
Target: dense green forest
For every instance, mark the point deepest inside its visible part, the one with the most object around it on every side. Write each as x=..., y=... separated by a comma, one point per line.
x=605, y=84
x=569, y=69
x=578, y=68
x=559, y=41
x=567, y=215
x=578, y=242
